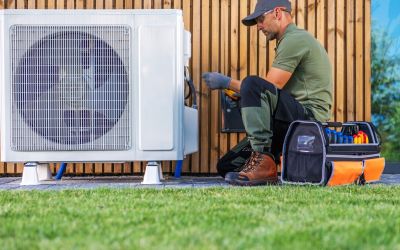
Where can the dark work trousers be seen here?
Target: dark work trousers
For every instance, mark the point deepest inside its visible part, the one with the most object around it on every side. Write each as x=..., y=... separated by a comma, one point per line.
x=267, y=113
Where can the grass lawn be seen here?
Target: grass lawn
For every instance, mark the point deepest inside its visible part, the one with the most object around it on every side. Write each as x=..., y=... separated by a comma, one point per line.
x=284, y=217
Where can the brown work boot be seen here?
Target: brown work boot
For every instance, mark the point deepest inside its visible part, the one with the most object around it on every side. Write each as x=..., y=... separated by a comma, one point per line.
x=259, y=170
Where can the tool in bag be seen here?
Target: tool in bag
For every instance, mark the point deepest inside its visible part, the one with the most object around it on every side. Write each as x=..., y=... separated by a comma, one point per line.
x=314, y=153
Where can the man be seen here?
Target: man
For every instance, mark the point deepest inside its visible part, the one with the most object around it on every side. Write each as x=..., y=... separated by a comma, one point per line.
x=298, y=86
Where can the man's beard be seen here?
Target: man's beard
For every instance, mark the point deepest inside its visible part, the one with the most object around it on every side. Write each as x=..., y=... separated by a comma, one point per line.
x=270, y=35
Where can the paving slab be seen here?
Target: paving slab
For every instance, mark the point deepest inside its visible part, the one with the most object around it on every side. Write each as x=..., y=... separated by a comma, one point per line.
x=92, y=182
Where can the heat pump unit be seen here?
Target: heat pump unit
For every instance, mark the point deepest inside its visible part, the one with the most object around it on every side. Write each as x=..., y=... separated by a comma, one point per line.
x=94, y=85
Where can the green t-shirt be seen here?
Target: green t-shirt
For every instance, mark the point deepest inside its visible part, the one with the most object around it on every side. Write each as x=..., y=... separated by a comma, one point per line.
x=311, y=82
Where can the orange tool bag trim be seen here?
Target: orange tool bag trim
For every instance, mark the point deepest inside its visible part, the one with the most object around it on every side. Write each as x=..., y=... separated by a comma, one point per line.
x=373, y=169
x=345, y=172
x=311, y=156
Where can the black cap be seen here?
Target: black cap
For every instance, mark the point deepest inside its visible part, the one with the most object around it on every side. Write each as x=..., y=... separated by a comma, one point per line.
x=263, y=6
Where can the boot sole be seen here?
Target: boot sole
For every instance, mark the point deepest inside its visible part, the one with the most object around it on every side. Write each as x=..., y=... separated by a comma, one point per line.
x=272, y=181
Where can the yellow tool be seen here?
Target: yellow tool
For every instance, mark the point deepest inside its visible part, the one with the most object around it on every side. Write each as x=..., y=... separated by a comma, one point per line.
x=232, y=94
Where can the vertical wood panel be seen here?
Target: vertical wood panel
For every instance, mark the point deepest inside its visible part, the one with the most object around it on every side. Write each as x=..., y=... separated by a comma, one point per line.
x=188, y=26
x=224, y=66
x=253, y=53
x=128, y=4
x=196, y=72
x=215, y=101
x=205, y=91
x=80, y=4
x=90, y=4
x=221, y=43
x=311, y=16
x=340, y=61
x=41, y=4
x=367, y=60
x=300, y=13
x=331, y=48
x=234, y=56
x=359, y=61
x=350, y=56
x=69, y=4
x=321, y=16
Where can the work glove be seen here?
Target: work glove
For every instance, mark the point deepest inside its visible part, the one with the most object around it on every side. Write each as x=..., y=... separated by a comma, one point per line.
x=215, y=80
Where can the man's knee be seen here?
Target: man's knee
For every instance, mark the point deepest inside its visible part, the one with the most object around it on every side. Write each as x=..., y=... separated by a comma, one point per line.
x=251, y=89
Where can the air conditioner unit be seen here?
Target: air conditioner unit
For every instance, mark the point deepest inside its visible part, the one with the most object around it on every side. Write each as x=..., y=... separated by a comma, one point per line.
x=94, y=85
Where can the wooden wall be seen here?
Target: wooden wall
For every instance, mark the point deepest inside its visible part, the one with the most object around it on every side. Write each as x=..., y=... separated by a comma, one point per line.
x=221, y=43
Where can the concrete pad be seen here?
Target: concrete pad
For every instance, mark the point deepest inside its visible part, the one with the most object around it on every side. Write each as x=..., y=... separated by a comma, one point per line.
x=93, y=182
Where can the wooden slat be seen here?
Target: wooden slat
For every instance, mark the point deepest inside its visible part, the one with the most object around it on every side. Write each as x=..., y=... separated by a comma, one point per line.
x=248, y=47
x=128, y=168
x=138, y=4
x=331, y=43
x=311, y=16
x=188, y=26
x=99, y=4
x=367, y=60
x=350, y=59
x=340, y=61
x=2, y=168
x=234, y=56
x=359, y=61
x=90, y=4
x=166, y=4
x=157, y=4
x=20, y=4
x=79, y=168
x=88, y=168
x=129, y=4
x=215, y=100
x=243, y=45
x=31, y=4
x=205, y=91
x=70, y=4
x=10, y=4
x=60, y=4
x=224, y=56
x=321, y=16
x=253, y=40
x=300, y=13
x=263, y=48
x=10, y=168
x=98, y=168
x=177, y=4
x=196, y=71
x=294, y=8
x=147, y=4
x=80, y=4
x=109, y=4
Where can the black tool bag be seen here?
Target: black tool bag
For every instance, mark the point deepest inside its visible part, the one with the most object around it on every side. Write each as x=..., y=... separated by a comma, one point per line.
x=311, y=156
x=234, y=160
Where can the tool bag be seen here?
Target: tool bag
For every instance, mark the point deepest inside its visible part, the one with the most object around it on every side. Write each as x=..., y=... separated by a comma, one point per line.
x=315, y=154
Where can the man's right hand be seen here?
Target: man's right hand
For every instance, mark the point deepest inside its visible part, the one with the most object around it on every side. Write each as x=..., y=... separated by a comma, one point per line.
x=215, y=80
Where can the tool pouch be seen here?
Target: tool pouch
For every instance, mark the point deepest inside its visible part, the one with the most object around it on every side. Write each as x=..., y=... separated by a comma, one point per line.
x=310, y=156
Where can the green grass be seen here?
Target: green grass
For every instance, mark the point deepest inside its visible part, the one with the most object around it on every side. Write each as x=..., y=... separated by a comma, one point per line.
x=284, y=217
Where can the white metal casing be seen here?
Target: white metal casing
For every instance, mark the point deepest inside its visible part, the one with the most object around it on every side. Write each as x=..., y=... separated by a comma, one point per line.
x=158, y=123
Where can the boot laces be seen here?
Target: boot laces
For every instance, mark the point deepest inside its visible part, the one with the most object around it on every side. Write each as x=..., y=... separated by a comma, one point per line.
x=253, y=162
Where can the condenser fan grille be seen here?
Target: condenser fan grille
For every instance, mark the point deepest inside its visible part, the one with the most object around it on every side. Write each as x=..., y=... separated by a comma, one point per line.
x=70, y=88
